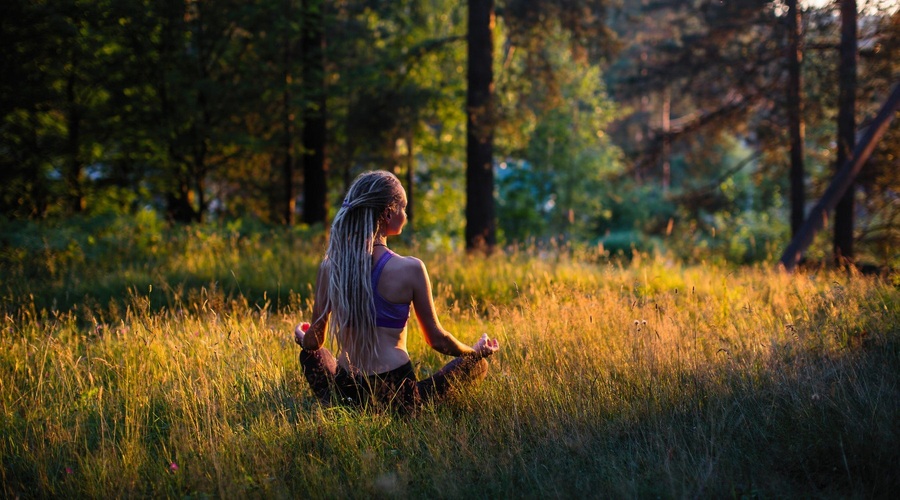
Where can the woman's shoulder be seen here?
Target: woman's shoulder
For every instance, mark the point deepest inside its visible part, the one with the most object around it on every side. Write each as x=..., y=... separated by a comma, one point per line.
x=407, y=260
x=408, y=264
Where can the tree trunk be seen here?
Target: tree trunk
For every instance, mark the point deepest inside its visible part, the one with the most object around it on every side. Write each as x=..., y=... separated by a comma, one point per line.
x=315, y=183
x=795, y=117
x=179, y=203
x=287, y=204
x=843, y=217
x=481, y=226
x=841, y=182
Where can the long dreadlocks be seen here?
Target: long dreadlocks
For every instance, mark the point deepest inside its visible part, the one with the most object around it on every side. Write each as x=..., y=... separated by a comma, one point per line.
x=349, y=257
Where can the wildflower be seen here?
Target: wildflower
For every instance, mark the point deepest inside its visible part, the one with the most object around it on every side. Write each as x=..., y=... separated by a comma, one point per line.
x=69, y=470
x=173, y=467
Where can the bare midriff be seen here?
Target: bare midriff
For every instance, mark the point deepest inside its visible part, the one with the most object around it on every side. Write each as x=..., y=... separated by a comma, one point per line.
x=392, y=352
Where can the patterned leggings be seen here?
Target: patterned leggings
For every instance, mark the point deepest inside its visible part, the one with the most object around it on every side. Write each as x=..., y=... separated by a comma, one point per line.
x=398, y=389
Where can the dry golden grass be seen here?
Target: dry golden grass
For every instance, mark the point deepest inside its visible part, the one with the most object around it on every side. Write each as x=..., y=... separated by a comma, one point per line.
x=643, y=379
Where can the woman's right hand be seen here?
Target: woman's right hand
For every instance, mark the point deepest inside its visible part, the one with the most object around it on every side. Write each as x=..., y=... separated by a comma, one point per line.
x=300, y=332
x=486, y=346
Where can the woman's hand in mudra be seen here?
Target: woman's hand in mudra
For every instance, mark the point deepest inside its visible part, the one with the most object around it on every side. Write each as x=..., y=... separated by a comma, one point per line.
x=485, y=346
x=300, y=332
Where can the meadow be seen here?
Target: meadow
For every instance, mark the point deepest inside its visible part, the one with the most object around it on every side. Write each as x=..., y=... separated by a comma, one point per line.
x=139, y=363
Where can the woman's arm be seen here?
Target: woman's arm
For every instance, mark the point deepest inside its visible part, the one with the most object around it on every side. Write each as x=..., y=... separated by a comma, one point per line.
x=315, y=336
x=439, y=339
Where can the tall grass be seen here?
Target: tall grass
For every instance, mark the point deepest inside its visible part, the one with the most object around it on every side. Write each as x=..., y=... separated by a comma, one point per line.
x=98, y=260
x=640, y=379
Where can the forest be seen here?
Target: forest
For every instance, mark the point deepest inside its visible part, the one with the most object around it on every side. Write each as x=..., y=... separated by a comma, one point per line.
x=706, y=128
x=611, y=189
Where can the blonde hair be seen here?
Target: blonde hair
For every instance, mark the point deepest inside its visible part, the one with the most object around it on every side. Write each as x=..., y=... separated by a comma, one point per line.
x=349, y=257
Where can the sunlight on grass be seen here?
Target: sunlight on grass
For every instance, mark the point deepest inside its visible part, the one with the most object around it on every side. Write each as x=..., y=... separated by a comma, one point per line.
x=639, y=379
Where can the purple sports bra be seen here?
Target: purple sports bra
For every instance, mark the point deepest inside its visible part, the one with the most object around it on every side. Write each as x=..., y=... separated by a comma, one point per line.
x=387, y=314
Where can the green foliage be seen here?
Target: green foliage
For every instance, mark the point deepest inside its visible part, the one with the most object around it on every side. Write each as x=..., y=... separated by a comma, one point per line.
x=101, y=260
x=738, y=216
x=624, y=243
x=624, y=379
x=557, y=158
x=401, y=70
x=438, y=221
x=524, y=201
x=695, y=73
x=195, y=109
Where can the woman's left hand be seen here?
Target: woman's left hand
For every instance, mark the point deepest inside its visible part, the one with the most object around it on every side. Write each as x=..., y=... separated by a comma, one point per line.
x=486, y=346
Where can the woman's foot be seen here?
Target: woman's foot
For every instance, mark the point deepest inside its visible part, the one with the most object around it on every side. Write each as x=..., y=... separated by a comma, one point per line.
x=464, y=370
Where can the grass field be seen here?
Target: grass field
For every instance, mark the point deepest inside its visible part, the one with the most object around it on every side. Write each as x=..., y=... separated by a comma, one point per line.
x=176, y=376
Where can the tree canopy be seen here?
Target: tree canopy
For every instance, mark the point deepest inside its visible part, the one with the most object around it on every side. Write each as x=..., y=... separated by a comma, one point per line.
x=619, y=126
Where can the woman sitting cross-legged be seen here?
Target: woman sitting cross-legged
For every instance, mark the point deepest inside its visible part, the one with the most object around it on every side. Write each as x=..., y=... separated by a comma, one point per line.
x=362, y=297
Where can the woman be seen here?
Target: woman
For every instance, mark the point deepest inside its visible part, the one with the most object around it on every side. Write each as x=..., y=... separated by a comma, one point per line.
x=362, y=297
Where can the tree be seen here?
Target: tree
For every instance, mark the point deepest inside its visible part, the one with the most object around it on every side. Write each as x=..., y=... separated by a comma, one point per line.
x=723, y=64
x=531, y=26
x=196, y=91
x=55, y=116
x=480, y=217
x=878, y=31
x=555, y=159
x=795, y=116
x=718, y=60
x=877, y=234
x=842, y=181
x=25, y=95
x=315, y=188
x=285, y=205
x=846, y=129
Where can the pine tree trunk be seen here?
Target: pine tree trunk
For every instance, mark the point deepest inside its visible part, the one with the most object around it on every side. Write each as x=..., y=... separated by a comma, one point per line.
x=480, y=217
x=315, y=188
x=287, y=204
x=795, y=117
x=846, y=140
